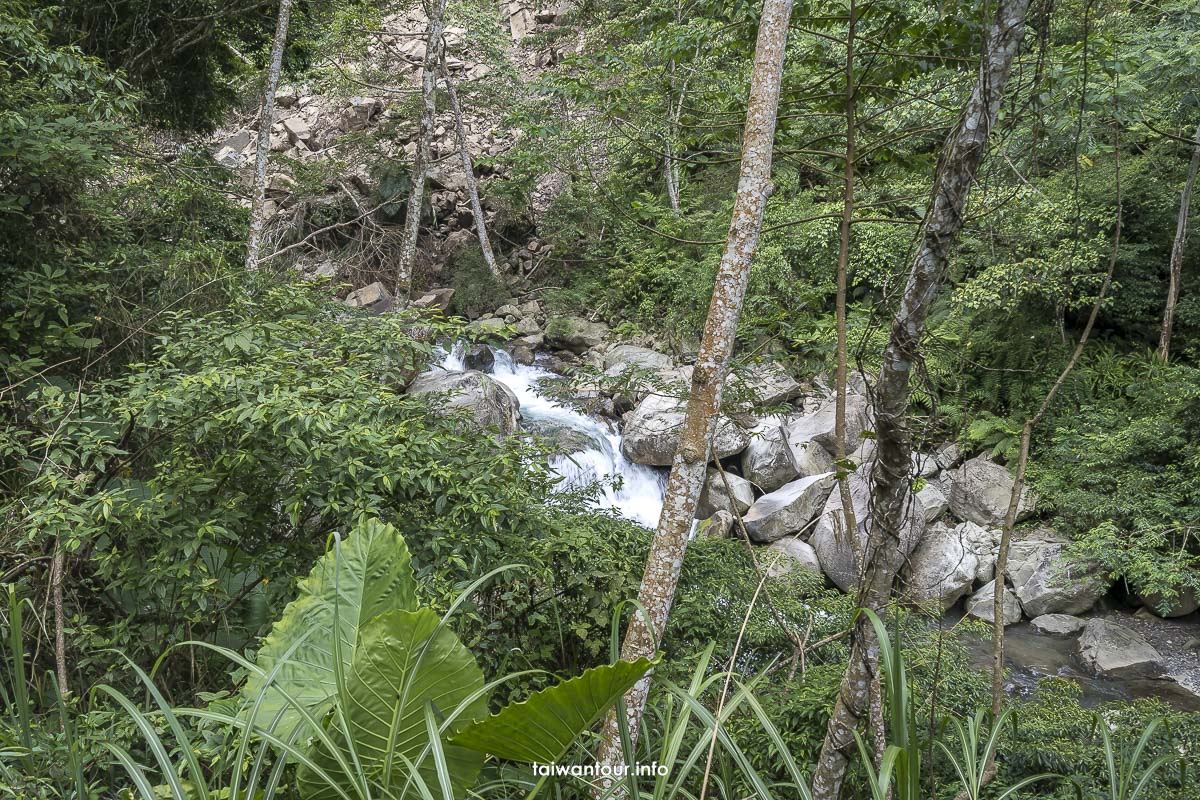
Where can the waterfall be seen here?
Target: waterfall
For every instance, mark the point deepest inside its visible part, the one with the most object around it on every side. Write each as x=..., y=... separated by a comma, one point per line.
x=638, y=494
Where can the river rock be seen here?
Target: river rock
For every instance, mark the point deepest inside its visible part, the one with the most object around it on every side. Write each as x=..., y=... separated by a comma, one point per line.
x=479, y=358
x=770, y=459
x=1183, y=602
x=983, y=603
x=1060, y=626
x=818, y=426
x=653, y=429
x=491, y=403
x=714, y=498
x=789, y=508
x=924, y=465
x=767, y=382
x=719, y=525
x=1110, y=649
x=981, y=491
x=527, y=326
x=372, y=297
x=789, y=554
x=945, y=564
x=574, y=333
x=933, y=501
x=621, y=357
x=1047, y=581
x=831, y=540
x=492, y=326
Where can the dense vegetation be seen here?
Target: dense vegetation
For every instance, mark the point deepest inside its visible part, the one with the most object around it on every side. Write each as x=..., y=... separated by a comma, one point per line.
x=182, y=441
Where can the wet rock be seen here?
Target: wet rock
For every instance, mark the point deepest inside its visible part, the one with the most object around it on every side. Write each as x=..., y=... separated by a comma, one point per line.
x=788, y=509
x=982, y=605
x=785, y=556
x=574, y=333
x=490, y=403
x=714, y=498
x=1110, y=649
x=1060, y=626
x=653, y=429
x=832, y=541
x=479, y=358
x=981, y=491
x=372, y=297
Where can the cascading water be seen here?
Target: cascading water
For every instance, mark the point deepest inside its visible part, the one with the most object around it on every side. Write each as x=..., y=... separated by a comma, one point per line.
x=638, y=490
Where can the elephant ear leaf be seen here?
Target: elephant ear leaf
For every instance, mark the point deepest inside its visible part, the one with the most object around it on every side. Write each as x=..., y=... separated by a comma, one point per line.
x=368, y=574
x=408, y=667
x=541, y=728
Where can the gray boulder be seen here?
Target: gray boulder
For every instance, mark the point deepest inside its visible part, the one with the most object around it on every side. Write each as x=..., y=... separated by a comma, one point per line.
x=1110, y=649
x=818, y=426
x=574, y=333
x=479, y=358
x=1060, y=626
x=624, y=356
x=770, y=460
x=653, y=429
x=1183, y=602
x=982, y=605
x=492, y=326
x=372, y=297
x=492, y=404
x=1048, y=581
x=789, y=508
x=766, y=382
x=720, y=525
x=981, y=491
x=787, y=555
x=944, y=565
x=933, y=501
x=832, y=542
x=714, y=498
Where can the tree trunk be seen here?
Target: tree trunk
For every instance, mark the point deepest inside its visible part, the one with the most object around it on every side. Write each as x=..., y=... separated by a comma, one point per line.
x=890, y=475
x=416, y=197
x=460, y=130
x=665, y=561
x=262, y=151
x=1176, y=270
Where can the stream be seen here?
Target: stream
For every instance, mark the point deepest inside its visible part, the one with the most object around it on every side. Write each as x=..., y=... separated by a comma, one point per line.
x=633, y=490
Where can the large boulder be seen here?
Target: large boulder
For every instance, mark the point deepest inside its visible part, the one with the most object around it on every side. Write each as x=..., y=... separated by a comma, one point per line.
x=719, y=526
x=947, y=562
x=373, y=297
x=575, y=333
x=933, y=501
x=1184, y=601
x=623, y=357
x=1110, y=649
x=1048, y=581
x=765, y=382
x=653, y=429
x=492, y=404
x=789, y=508
x=1059, y=626
x=982, y=605
x=818, y=426
x=714, y=497
x=770, y=459
x=787, y=555
x=981, y=491
x=832, y=541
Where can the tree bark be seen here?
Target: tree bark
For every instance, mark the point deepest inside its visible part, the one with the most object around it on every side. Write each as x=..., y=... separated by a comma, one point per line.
x=262, y=151
x=416, y=197
x=57, y=573
x=665, y=561
x=1176, y=269
x=460, y=131
x=890, y=476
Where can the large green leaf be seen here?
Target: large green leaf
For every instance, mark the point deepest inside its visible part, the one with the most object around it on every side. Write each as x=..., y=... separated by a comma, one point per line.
x=368, y=574
x=542, y=727
x=406, y=662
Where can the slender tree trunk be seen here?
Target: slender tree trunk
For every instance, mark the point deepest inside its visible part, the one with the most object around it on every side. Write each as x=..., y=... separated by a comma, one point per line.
x=665, y=561
x=416, y=198
x=1181, y=233
x=262, y=152
x=460, y=130
x=57, y=573
x=890, y=476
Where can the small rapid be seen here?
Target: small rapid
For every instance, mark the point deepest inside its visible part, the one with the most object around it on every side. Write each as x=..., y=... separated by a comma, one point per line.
x=633, y=490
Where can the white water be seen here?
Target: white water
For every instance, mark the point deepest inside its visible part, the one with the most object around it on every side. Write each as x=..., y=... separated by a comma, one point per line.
x=635, y=491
